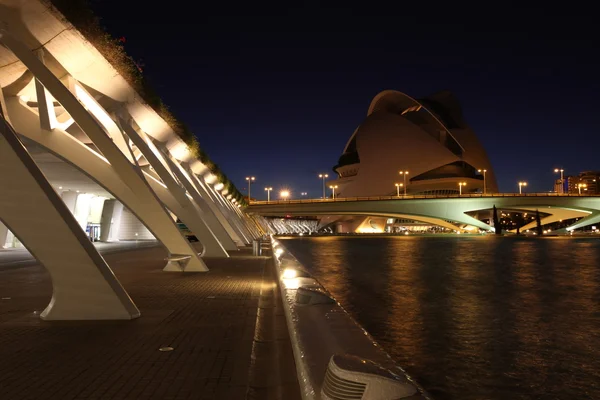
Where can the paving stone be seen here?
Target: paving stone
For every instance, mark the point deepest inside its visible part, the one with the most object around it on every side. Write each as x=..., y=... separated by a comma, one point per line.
x=209, y=319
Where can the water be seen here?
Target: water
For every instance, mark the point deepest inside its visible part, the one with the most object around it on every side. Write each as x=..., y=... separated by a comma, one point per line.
x=473, y=317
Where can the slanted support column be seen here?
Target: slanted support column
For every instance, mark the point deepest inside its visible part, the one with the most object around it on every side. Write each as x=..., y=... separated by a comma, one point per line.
x=3, y=234
x=212, y=214
x=116, y=172
x=146, y=208
x=84, y=287
x=213, y=196
x=110, y=221
x=177, y=199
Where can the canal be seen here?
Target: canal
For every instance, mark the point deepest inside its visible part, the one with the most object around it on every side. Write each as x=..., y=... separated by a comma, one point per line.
x=473, y=317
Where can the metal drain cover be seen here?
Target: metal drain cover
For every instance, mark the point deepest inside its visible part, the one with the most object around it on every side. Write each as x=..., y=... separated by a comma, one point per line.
x=166, y=348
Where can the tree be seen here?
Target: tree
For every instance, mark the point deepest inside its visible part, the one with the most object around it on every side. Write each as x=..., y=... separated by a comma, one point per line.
x=538, y=223
x=497, y=225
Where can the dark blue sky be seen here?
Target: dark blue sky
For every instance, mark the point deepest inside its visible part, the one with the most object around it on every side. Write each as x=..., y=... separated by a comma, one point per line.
x=276, y=92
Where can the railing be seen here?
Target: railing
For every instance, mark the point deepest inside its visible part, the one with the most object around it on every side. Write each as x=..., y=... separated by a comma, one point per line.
x=421, y=196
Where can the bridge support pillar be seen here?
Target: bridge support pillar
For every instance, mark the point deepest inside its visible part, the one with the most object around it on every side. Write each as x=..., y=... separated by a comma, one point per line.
x=84, y=287
x=115, y=170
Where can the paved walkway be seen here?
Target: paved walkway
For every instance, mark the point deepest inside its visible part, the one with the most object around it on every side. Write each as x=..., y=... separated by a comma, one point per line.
x=20, y=257
x=208, y=318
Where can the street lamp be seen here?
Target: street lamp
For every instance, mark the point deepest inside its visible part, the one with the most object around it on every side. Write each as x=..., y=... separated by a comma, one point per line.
x=562, y=188
x=398, y=186
x=323, y=177
x=460, y=186
x=484, y=185
x=268, y=189
x=521, y=184
x=250, y=179
x=304, y=194
x=581, y=185
x=284, y=194
x=405, y=174
x=333, y=190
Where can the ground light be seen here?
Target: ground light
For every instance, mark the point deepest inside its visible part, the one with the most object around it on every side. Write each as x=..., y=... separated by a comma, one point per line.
x=289, y=273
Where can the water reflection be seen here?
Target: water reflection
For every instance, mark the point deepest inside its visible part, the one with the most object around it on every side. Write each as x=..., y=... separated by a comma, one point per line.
x=473, y=317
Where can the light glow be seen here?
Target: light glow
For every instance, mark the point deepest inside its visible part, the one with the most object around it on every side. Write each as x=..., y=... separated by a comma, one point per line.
x=289, y=273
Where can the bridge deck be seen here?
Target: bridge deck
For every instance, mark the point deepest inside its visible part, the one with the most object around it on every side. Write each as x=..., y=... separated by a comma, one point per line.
x=208, y=318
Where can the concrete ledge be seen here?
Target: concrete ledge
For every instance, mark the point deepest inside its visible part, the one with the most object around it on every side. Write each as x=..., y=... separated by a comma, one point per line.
x=322, y=329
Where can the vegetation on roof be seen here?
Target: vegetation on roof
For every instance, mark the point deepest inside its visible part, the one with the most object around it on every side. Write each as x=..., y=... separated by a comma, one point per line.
x=80, y=15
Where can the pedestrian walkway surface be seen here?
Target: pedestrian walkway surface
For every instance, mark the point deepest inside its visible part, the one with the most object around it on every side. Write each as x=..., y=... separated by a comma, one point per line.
x=208, y=319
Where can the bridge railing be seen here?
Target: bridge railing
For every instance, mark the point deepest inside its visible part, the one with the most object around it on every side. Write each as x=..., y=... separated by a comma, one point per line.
x=422, y=196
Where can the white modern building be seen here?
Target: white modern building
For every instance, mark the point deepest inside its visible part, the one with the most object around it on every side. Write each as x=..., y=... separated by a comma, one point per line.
x=423, y=146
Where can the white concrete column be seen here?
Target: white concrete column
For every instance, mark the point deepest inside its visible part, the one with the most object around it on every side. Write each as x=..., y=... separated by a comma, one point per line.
x=144, y=203
x=182, y=206
x=110, y=222
x=131, y=185
x=221, y=205
x=3, y=235
x=82, y=209
x=84, y=287
x=203, y=189
x=70, y=199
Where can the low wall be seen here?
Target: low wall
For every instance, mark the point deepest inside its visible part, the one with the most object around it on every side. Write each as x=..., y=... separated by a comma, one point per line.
x=335, y=357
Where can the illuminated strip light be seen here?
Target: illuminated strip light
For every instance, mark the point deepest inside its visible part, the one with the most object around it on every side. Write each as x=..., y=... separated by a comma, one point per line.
x=411, y=109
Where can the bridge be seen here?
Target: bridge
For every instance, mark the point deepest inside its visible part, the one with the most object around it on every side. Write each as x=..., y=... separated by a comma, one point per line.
x=449, y=211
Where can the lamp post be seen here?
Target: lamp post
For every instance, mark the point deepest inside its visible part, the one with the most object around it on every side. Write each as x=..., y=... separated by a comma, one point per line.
x=268, y=189
x=250, y=179
x=484, y=183
x=398, y=186
x=284, y=194
x=581, y=185
x=323, y=177
x=460, y=186
x=405, y=174
x=333, y=190
x=562, y=182
x=521, y=184
x=304, y=194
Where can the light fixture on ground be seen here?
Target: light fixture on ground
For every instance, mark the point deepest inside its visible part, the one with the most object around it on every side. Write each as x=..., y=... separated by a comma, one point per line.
x=284, y=194
x=250, y=179
x=404, y=174
x=268, y=189
x=581, y=185
x=323, y=177
x=521, y=185
x=333, y=187
x=562, y=187
x=484, y=182
x=460, y=186
x=398, y=186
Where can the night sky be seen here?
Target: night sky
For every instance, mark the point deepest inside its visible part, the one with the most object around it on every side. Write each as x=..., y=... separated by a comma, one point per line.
x=275, y=90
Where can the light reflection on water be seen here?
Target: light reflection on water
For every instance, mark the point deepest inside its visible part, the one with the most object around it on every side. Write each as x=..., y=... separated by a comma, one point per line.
x=473, y=317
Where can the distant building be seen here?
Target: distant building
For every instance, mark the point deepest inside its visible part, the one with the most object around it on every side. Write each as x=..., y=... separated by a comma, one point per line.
x=590, y=179
x=427, y=137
